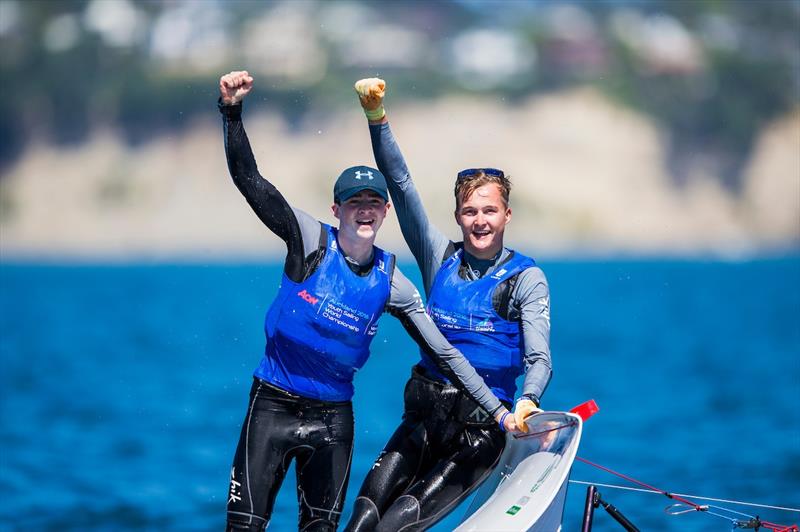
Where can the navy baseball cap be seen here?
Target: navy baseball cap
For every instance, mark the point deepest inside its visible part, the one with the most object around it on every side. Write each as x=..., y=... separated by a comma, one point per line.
x=357, y=178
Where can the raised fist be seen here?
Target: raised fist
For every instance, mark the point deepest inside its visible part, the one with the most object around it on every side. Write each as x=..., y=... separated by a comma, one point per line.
x=370, y=92
x=235, y=86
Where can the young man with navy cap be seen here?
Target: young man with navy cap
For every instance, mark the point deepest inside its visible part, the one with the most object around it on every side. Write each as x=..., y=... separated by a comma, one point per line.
x=335, y=286
x=357, y=178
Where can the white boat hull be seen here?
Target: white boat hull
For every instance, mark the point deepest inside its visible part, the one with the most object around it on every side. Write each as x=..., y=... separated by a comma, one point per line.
x=527, y=490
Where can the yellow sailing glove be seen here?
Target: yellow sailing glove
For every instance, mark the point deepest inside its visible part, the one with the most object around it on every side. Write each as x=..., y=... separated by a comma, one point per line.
x=370, y=93
x=523, y=409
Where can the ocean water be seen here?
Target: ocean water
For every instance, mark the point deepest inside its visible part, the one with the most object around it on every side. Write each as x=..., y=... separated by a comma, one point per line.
x=124, y=387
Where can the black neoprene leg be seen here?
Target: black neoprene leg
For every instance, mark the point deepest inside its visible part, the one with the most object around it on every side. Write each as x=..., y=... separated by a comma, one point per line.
x=451, y=479
x=322, y=475
x=395, y=469
x=258, y=471
x=277, y=429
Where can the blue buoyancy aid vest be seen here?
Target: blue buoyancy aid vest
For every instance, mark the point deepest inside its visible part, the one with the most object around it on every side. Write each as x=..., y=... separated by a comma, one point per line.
x=319, y=330
x=464, y=313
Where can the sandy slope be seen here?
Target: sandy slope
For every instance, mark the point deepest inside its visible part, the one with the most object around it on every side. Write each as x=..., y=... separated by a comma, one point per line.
x=589, y=178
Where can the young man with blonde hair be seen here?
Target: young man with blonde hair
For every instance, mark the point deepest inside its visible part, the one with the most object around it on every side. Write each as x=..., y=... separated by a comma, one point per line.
x=490, y=302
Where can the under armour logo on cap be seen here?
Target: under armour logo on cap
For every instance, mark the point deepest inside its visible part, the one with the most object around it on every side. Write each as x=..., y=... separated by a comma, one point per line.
x=367, y=174
x=356, y=179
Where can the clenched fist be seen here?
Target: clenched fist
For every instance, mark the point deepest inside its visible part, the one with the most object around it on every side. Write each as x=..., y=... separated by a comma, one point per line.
x=233, y=87
x=370, y=92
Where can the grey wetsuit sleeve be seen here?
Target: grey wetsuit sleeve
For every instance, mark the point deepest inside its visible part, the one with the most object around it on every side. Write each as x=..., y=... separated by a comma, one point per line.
x=425, y=241
x=309, y=230
x=530, y=303
x=405, y=304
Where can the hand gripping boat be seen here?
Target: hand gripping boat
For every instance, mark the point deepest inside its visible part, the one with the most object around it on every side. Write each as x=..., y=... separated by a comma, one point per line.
x=528, y=488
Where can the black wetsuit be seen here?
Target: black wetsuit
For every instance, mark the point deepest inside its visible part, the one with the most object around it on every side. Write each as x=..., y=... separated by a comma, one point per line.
x=281, y=426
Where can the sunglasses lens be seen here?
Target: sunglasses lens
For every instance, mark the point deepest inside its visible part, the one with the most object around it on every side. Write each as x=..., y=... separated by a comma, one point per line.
x=469, y=172
x=494, y=172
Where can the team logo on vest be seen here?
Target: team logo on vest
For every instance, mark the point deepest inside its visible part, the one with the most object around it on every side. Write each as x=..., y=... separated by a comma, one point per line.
x=485, y=326
x=360, y=174
x=305, y=296
x=500, y=273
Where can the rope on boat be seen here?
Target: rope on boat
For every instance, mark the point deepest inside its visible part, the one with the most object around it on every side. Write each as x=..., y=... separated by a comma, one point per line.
x=753, y=522
x=698, y=497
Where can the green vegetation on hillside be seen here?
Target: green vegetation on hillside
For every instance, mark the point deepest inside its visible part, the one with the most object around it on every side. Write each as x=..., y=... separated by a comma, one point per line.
x=710, y=72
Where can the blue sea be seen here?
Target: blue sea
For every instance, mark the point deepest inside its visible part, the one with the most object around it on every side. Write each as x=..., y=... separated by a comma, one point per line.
x=124, y=387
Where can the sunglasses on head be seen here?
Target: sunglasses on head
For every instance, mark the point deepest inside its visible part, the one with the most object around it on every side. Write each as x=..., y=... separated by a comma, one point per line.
x=469, y=172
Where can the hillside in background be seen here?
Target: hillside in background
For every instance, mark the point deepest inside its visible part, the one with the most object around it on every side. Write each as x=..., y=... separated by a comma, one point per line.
x=642, y=127
x=711, y=74
x=589, y=178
